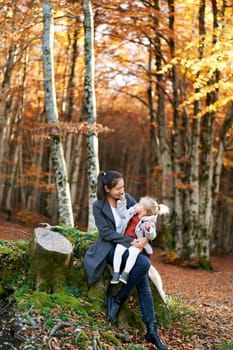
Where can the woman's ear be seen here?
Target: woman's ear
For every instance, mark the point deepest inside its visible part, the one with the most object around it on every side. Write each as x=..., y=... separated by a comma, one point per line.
x=106, y=188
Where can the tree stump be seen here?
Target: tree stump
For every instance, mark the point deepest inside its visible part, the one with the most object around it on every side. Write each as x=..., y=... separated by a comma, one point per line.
x=49, y=257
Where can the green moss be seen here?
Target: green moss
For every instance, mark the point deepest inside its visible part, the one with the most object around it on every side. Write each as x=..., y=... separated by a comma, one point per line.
x=188, y=332
x=48, y=269
x=205, y=264
x=81, y=340
x=4, y=250
x=3, y=292
x=225, y=346
x=13, y=248
x=39, y=300
x=80, y=240
x=111, y=338
x=168, y=239
x=76, y=276
x=12, y=262
x=129, y=313
x=44, y=301
x=179, y=310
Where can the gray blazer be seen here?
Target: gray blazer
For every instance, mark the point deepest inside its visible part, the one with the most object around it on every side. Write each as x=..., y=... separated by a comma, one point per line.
x=95, y=258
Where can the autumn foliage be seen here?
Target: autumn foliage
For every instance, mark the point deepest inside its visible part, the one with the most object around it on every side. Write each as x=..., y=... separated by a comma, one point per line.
x=163, y=83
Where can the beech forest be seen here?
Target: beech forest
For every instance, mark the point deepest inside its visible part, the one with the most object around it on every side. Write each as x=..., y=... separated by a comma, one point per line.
x=141, y=87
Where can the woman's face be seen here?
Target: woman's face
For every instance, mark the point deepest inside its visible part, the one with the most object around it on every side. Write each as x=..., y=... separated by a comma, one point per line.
x=117, y=191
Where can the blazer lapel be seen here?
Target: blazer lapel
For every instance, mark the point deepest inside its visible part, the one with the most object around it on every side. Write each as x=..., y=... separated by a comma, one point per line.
x=108, y=211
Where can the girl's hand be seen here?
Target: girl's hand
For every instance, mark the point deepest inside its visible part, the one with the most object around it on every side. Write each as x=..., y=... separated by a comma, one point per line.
x=139, y=242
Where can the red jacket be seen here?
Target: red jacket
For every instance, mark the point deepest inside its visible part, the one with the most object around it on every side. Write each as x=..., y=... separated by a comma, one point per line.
x=130, y=229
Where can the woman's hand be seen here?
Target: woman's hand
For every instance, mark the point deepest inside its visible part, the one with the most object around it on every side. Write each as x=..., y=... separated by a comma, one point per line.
x=139, y=242
x=122, y=197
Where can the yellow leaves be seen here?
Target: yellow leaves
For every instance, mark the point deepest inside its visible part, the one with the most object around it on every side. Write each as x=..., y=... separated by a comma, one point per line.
x=166, y=68
x=229, y=10
x=170, y=257
x=201, y=95
x=227, y=162
x=9, y=13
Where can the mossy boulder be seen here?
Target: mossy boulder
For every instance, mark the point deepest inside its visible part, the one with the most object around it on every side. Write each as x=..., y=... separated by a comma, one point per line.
x=12, y=264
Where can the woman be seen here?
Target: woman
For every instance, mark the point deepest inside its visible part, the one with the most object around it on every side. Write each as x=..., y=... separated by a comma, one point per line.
x=110, y=188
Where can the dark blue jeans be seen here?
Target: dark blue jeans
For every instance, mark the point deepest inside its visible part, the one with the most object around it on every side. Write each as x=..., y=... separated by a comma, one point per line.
x=138, y=279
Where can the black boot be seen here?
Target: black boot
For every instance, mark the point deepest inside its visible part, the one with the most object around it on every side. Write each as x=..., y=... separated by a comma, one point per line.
x=113, y=306
x=153, y=337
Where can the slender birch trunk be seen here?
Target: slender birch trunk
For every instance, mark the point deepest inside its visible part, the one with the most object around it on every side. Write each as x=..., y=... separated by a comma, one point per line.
x=59, y=166
x=206, y=181
x=159, y=133
x=176, y=145
x=194, y=194
x=164, y=150
x=193, y=212
x=207, y=159
x=90, y=104
x=68, y=104
x=212, y=97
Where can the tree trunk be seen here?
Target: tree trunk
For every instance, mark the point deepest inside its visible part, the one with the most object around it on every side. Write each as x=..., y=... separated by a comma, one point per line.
x=192, y=213
x=154, y=153
x=222, y=231
x=49, y=256
x=177, y=143
x=5, y=106
x=90, y=104
x=207, y=159
x=60, y=173
x=76, y=167
x=164, y=150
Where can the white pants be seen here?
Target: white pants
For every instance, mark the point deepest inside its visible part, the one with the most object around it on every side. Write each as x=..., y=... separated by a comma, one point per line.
x=119, y=251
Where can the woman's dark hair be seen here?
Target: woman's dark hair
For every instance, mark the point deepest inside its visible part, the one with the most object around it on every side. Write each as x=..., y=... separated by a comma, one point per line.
x=109, y=179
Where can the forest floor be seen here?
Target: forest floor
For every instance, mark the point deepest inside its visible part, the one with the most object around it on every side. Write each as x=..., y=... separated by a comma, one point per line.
x=209, y=326
x=210, y=294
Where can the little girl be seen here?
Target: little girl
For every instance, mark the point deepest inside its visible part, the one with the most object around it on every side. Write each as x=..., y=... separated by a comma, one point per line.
x=139, y=221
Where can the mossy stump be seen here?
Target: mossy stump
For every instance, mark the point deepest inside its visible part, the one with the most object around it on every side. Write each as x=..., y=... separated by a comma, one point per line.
x=49, y=257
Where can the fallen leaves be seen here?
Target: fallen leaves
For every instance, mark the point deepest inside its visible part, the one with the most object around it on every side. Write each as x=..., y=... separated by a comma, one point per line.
x=210, y=327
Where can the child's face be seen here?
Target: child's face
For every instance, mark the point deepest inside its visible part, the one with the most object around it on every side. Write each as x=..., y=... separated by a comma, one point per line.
x=140, y=210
